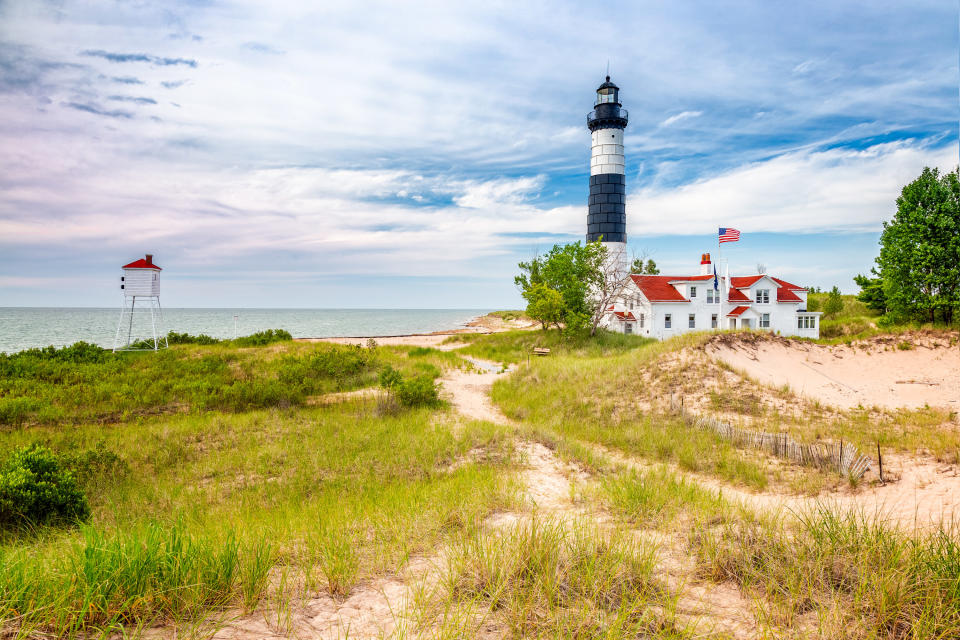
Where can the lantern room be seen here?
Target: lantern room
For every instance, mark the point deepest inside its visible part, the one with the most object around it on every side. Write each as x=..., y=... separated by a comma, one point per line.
x=141, y=278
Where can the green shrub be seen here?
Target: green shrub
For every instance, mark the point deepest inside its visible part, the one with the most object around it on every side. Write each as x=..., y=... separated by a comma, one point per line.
x=390, y=378
x=96, y=466
x=341, y=364
x=185, y=338
x=36, y=488
x=419, y=391
x=261, y=338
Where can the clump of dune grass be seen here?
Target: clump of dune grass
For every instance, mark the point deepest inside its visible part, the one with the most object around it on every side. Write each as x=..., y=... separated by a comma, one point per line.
x=857, y=576
x=656, y=497
x=549, y=579
x=133, y=576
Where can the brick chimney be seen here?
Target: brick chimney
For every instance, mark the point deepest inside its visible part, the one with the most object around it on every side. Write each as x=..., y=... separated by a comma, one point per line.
x=150, y=259
x=706, y=267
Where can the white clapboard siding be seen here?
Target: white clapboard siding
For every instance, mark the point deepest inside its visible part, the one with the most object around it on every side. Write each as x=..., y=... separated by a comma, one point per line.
x=141, y=282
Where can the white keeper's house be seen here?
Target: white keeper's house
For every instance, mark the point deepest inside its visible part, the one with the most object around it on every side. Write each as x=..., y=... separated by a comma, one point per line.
x=664, y=306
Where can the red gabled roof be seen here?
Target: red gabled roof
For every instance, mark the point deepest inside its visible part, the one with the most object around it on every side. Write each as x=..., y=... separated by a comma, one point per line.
x=742, y=282
x=786, y=285
x=737, y=311
x=141, y=264
x=737, y=296
x=658, y=288
x=786, y=295
x=624, y=316
x=709, y=276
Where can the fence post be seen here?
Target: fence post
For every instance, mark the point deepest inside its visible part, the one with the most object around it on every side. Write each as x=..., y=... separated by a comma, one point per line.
x=880, y=460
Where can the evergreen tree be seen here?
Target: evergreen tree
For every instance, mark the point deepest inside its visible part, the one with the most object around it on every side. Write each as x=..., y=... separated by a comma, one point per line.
x=644, y=268
x=834, y=304
x=871, y=291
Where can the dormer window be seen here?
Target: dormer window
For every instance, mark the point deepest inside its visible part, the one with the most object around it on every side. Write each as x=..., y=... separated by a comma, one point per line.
x=763, y=296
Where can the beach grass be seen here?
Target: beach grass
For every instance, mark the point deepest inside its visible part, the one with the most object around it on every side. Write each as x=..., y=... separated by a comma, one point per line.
x=546, y=578
x=73, y=385
x=518, y=346
x=595, y=397
x=197, y=512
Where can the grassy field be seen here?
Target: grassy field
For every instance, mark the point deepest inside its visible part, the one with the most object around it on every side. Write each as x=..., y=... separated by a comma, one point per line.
x=198, y=510
x=202, y=506
x=592, y=393
x=85, y=383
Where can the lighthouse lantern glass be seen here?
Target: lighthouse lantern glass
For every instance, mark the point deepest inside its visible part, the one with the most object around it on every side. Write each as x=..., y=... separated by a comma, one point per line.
x=607, y=95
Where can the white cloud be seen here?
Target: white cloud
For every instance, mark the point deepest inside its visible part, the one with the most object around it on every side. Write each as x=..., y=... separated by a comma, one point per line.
x=680, y=117
x=807, y=192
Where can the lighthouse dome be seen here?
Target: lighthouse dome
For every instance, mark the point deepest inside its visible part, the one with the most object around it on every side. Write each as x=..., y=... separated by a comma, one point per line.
x=608, y=93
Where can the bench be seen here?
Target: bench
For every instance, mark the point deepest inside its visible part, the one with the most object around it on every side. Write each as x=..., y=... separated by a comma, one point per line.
x=541, y=351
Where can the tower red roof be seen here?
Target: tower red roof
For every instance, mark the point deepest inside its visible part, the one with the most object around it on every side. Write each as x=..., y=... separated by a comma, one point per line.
x=143, y=263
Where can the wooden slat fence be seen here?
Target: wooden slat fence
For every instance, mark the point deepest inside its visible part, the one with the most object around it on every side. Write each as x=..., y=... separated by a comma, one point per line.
x=842, y=457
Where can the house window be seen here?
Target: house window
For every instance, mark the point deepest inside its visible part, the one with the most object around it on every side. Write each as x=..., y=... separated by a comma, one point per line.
x=712, y=296
x=628, y=328
x=713, y=321
x=763, y=296
x=693, y=292
x=800, y=322
x=631, y=305
x=765, y=321
x=642, y=320
x=667, y=323
x=692, y=321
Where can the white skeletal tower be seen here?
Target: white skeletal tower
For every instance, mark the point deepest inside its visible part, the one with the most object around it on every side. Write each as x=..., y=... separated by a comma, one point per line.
x=606, y=215
x=140, y=285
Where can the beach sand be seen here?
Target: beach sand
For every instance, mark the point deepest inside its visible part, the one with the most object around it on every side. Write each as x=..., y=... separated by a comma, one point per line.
x=482, y=324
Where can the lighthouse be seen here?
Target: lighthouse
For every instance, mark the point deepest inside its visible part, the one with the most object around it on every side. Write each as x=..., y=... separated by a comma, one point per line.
x=140, y=282
x=606, y=215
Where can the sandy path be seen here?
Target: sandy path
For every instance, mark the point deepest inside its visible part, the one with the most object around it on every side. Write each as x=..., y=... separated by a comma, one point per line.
x=879, y=374
x=550, y=486
x=925, y=494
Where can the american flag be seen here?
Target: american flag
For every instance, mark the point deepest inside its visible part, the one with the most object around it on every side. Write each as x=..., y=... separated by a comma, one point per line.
x=729, y=235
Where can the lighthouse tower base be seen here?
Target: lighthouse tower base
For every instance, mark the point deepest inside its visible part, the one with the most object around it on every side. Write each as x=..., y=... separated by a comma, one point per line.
x=616, y=258
x=141, y=325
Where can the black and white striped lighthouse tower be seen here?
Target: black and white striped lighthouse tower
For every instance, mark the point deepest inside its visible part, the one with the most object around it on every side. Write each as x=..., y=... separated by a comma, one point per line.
x=607, y=217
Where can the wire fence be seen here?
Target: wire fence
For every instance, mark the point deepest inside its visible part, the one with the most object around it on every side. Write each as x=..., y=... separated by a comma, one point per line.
x=842, y=457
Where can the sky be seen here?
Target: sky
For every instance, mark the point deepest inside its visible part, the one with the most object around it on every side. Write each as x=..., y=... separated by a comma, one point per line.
x=409, y=155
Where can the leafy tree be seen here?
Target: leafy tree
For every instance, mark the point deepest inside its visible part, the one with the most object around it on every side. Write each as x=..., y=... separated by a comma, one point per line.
x=544, y=304
x=871, y=291
x=572, y=270
x=834, y=303
x=919, y=260
x=648, y=268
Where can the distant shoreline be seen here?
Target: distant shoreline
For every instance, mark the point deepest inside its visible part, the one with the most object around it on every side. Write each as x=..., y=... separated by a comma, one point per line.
x=480, y=325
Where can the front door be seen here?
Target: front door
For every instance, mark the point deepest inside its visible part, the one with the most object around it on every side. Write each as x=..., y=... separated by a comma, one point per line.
x=744, y=323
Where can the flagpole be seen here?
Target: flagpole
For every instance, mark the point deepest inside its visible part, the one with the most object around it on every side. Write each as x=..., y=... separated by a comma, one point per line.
x=720, y=319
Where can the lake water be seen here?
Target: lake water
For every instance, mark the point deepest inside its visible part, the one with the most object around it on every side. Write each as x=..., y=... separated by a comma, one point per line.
x=28, y=327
